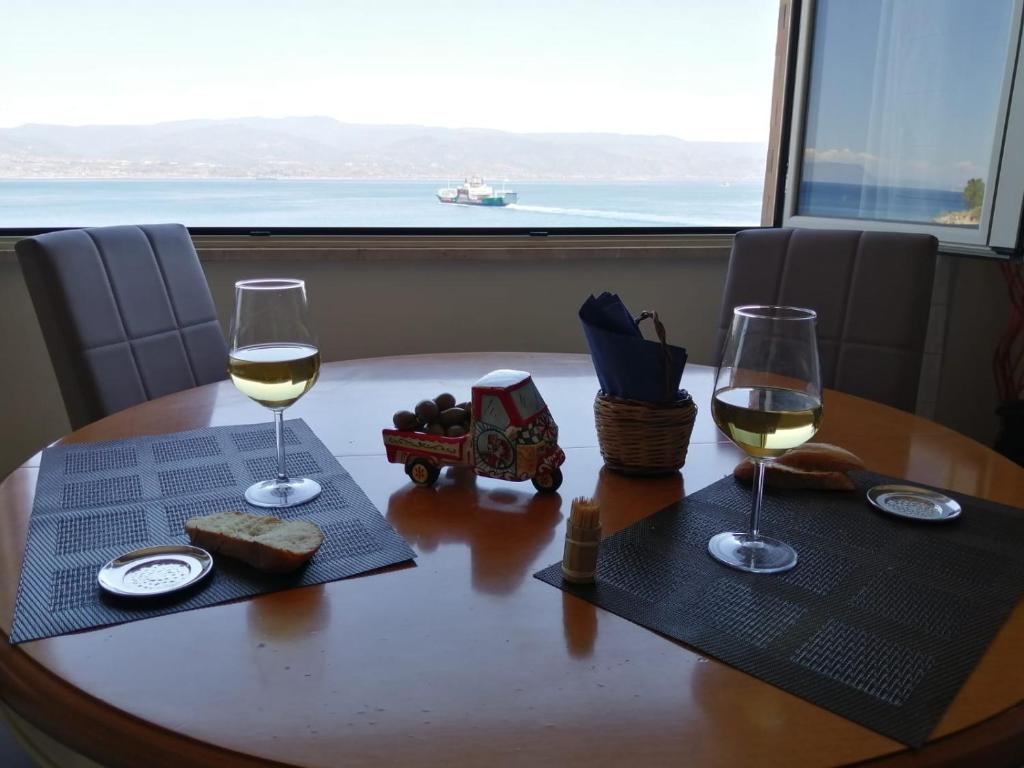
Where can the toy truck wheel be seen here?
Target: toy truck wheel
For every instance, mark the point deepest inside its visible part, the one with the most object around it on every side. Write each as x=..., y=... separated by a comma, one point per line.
x=422, y=472
x=548, y=482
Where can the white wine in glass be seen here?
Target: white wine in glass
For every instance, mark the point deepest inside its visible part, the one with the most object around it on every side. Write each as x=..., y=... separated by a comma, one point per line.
x=275, y=375
x=275, y=361
x=766, y=421
x=767, y=400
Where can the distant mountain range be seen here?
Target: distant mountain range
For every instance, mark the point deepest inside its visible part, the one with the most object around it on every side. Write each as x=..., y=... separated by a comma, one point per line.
x=322, y=147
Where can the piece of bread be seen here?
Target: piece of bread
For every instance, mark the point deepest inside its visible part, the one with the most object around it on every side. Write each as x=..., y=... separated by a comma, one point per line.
x=821, y=457
x=780, y=476
x=267, y=543
x=812, y=465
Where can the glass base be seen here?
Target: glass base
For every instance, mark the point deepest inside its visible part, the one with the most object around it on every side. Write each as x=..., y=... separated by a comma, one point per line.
x=271, y=493
x=753, y=553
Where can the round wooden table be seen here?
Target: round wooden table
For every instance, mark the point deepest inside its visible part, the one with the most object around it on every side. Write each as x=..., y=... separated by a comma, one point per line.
x=465, y=659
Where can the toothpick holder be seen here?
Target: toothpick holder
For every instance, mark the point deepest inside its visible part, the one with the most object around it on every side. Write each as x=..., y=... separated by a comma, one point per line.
x=579, y=562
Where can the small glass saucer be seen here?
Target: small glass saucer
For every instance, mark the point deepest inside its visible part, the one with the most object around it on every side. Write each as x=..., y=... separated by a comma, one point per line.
x=913, y=503
x=155, y=571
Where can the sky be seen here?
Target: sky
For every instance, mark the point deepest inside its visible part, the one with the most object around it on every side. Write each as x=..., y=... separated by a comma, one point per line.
x=908, y=90
x=694, y=69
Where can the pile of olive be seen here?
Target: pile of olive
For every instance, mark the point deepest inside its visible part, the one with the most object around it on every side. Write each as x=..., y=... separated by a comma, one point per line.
x=440, y=416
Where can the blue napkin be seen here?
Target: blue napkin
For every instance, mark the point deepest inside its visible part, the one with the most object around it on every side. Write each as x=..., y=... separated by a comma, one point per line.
x=627, y=365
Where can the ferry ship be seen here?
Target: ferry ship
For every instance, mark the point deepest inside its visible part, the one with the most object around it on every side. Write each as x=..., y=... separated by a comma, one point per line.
x=473, y=191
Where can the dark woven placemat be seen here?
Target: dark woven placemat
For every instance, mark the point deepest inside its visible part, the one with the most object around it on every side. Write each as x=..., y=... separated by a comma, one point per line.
x=96, y=501
x=881, y=620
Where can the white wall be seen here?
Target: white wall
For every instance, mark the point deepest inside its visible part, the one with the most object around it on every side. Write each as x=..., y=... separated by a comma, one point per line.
x=31, y=410
x=366, y=308
x=978, y=313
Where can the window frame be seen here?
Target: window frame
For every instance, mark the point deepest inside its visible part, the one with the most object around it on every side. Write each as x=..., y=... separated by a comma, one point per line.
x=999, y=232
x=258, y=233
x=773, y=196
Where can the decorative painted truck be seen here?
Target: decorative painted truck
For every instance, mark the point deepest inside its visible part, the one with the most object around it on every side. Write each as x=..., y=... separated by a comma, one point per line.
x=511, y=437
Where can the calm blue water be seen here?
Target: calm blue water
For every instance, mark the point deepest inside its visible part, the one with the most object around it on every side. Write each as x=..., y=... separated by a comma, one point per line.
x=853, y=201
x=333, y=203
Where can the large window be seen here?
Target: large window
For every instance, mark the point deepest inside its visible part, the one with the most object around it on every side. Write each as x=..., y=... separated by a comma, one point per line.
x=324, y=113
x=906, y=120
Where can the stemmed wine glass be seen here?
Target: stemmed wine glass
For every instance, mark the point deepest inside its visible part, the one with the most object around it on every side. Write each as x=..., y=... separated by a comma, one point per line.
x=275, y=361
x=767, y=400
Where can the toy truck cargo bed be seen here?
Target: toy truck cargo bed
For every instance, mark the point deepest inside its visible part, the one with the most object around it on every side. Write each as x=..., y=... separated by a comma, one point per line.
x=402, y=445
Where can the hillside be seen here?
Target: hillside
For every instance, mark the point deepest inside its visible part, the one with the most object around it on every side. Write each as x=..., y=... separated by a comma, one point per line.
x=321, y=147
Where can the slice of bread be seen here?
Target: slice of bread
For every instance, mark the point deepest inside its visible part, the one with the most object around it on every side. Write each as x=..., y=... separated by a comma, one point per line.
x=267, y=543
x=812, y=465
x=821, y=457
x=780, y=476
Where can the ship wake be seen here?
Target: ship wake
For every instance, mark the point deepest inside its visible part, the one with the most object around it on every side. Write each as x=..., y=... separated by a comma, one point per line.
x=594, y=213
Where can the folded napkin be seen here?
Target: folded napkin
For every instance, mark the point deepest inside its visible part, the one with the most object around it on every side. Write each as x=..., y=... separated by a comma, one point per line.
x=628, y=365
x=815, y=465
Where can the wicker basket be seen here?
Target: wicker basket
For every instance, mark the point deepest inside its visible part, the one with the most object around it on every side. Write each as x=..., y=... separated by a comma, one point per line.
x=644, y=438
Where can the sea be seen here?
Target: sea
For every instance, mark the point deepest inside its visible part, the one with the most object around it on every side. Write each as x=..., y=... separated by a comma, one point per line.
x=261, y=203
x=265, y=203
x=854, y=201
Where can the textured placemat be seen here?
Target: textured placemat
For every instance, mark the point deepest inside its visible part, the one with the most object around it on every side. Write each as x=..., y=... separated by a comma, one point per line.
x=881, y=620
x=98, y=500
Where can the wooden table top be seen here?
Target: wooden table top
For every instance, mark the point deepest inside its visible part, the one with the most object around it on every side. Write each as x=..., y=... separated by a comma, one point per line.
x=465, y=659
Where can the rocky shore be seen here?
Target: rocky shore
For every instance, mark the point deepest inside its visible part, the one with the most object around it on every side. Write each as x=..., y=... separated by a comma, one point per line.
x=960, y=218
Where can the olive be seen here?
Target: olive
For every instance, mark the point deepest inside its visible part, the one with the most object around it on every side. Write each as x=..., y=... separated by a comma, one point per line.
x=435, y=429
x=467, y=407
x=444, y=401
x=427, y=411
x=456, y=430
x=405, y=420
x=452, y=417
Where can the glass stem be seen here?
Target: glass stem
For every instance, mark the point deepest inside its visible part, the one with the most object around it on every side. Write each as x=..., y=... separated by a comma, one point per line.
x=758, y=492
x=282, y=471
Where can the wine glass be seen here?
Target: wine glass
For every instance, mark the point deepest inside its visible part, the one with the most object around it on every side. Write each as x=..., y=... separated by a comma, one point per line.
x=275, y=361
x=767, y=400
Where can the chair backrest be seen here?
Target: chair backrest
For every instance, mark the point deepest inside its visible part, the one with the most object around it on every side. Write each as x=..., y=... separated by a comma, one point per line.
x=126, y=314
x=872, y=292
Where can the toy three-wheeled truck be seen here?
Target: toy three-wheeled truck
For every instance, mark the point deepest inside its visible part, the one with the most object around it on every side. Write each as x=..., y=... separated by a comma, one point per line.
x=511, y=437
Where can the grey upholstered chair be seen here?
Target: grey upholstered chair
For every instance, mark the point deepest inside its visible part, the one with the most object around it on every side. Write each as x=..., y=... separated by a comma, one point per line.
x=872, y=292
x=126, y=314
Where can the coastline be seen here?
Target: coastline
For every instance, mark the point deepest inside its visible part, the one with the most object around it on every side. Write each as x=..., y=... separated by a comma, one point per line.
x=971, y=218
